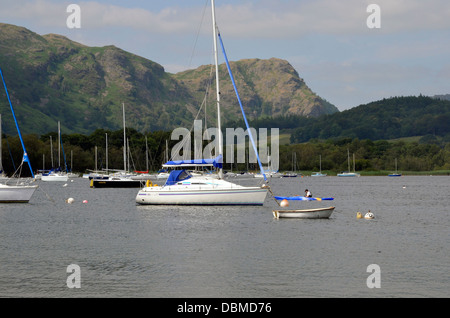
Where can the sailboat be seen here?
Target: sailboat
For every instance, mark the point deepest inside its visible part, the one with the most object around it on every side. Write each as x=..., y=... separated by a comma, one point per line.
x=20, y=192
x=120, y=179
x=395, y=174
x=348, y=173
x=269, y=171
x=56, y=175
x=292, y=174
x=70, y=173
x=144, y=175
x=319, y=174
x=164, y=173
x=182, y=188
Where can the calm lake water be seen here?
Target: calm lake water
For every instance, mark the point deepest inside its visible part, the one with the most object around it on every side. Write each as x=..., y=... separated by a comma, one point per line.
x=125, y=250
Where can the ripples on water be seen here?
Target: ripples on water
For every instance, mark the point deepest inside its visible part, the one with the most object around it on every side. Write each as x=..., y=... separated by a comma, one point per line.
x=125, y=250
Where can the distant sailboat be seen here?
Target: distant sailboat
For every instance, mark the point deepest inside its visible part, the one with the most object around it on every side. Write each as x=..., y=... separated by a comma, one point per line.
x=291, y=174
x=395, y=174
x=319, y=174
x=71, y=174
x=268, y=171
x=121, y=179
x=56, y=174
x=348, y=173
x=19, y=193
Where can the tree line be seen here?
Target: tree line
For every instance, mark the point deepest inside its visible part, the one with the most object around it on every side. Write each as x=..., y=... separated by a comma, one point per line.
x=379, y=155
x=79, y=153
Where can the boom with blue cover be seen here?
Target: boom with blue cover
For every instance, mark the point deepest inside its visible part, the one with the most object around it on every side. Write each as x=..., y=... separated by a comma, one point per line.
x=215, y=162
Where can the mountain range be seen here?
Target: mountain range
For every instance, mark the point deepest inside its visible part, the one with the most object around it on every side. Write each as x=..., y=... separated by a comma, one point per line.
x=51, y=78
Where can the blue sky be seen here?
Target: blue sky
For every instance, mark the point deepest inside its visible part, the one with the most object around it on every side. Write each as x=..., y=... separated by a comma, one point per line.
x=328, y=42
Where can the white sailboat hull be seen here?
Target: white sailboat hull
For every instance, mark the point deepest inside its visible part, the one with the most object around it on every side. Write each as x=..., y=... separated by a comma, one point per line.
x=247, y=196
x=16, y=194
x=202, y=191
x=55, y=177
x=348, y=174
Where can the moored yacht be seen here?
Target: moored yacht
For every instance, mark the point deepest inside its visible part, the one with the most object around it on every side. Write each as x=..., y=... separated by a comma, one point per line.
x=183, y=188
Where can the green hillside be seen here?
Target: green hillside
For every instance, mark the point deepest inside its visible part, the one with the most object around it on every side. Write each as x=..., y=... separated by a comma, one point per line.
x=385, y=119
x=51, y=78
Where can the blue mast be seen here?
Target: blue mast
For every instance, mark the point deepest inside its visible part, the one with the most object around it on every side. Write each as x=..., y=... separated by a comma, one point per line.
x=242, y=108
x=25, y=155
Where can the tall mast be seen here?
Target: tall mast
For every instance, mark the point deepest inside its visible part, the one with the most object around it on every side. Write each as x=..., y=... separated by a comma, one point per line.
x=320, y=163
x=59, y=145
x=217, y=83
x=348, y=159
x=128, y=154
x=1, y=164
x=146, y=153
x=124, y=142
x=51, y=151
x=166, y=154
x=106, y=142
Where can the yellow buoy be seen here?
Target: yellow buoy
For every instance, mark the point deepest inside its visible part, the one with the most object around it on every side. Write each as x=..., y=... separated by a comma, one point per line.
x=359, y=215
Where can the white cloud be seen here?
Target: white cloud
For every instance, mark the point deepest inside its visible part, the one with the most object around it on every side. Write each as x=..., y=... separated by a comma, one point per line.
x=38, y=12
x=327, y=41
x=247, y=18
x=294, y=18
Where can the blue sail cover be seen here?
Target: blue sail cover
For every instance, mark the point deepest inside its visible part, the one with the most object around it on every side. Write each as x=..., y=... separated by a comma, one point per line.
x=176, y=176
x=216, y=162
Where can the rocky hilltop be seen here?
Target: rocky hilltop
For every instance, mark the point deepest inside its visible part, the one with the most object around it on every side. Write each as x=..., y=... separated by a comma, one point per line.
x=51, y=78
x=266, y=87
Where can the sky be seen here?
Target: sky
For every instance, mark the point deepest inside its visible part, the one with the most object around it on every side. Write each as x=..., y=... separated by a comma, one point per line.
x=346, y=51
